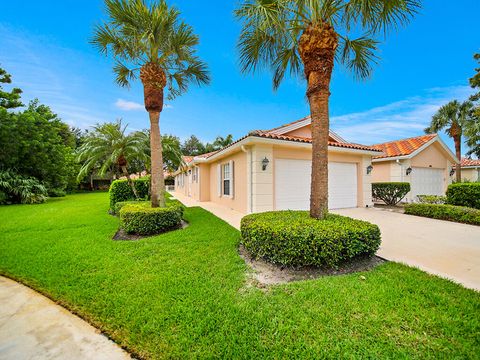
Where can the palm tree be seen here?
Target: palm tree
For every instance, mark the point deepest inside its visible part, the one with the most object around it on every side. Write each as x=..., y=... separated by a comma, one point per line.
x=151, y=40
x=171, y=150
x=454, y=118
x=108, y=146
x=286, y=35
x=220, y=141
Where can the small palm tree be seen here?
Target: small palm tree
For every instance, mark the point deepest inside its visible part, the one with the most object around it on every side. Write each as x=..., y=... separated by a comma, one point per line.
x=453, y=118
x=108, y=146
x=288, y=35
x=151, y=40
x=220, y=141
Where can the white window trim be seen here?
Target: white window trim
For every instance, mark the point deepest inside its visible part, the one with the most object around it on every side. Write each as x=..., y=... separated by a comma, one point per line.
x=224, y=178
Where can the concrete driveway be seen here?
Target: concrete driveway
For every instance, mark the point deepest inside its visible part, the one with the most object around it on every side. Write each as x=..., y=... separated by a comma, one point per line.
x=443, y=248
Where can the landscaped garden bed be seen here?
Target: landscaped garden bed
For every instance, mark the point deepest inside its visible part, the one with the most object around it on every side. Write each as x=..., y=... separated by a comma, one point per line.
x=185, y=294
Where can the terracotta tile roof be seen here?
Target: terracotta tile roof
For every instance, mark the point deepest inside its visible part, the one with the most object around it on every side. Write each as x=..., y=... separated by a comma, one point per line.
x=403, y=147
x=187, y=159
x=470, y=162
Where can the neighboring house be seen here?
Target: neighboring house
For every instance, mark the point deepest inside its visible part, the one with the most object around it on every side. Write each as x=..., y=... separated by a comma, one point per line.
x=470, y=169
x=424, y=161
x=270, y=170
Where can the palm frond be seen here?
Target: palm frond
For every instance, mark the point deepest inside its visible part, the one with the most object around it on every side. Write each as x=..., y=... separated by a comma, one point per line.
x=358, y=55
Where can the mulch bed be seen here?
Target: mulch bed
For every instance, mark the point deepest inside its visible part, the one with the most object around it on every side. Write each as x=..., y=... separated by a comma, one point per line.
x=266, y=273
x=122, y=235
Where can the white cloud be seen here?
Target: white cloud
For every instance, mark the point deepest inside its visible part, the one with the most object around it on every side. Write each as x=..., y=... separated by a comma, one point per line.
x=128, y=105
x=400, y=119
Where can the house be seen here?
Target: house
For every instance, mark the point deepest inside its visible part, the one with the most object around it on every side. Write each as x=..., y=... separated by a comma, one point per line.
x=424, y=161
x=470, y=169
x=270, y=170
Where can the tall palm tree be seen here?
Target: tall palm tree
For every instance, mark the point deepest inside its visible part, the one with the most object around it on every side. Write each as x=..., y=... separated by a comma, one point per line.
x=152, y=41
x=220, y=141
x=107, y=146
x=288, y=35
x=453, y=118
x=171, y=150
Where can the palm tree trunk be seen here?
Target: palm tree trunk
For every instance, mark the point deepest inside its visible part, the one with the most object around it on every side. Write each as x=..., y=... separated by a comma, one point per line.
x=317, y=49
x=157, y=180
x=458, y=152
x=319, y=178
x=130, y=182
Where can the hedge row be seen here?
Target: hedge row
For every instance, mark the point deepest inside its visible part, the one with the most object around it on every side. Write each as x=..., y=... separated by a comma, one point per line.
x=464, y=194
x=141, y=219
x=391, y=193
x=293, y=238
x=120, y=190
x=445, y=212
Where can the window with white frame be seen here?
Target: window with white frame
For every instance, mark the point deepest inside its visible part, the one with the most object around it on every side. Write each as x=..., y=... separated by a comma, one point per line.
x=226, y=179
x=195, y=174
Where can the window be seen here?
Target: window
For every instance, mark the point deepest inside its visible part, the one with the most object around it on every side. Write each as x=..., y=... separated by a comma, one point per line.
x=195, y=174
x=226, y=179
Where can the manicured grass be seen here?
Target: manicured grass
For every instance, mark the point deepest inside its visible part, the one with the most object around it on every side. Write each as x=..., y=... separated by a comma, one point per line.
x=184, y=294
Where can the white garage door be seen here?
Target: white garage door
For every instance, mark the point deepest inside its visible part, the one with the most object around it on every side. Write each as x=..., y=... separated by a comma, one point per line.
x=292, y=185
x=427, y=181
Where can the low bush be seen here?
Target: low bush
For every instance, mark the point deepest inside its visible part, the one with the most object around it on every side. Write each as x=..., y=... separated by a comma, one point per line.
x=119, y=205
x=120, y=190
x=464, y=194
x=56, y=192
x=391, y=193
x=293, y=238
x=142, y=219
x=18, y=189
x=445, y=212
x=431, y=199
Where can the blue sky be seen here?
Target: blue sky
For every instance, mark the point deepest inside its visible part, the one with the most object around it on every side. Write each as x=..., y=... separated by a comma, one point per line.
x=46, y=49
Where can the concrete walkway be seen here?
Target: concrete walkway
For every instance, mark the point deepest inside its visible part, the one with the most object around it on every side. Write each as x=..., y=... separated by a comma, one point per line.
x=450, y=250
x=34, y=327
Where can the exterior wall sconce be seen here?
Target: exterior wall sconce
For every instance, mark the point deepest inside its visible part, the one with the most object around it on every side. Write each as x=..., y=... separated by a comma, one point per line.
x=409, y=170
x=265, y=163
x=369, y=169
x=452, y=171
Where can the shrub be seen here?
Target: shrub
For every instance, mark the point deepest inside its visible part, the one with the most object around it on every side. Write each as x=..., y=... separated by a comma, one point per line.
x=18, y=189
x=119, y=205
x=445, y=212
x=391, y=193
x=120, y=190
x=56, y=192
x=141, y=219
x=464, y=194
x=293, y=238
x=431, y=199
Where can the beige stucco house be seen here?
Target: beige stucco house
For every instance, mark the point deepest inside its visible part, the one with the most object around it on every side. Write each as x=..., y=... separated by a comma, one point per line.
x=470, y=169
x=270, y=170
x=425, y=162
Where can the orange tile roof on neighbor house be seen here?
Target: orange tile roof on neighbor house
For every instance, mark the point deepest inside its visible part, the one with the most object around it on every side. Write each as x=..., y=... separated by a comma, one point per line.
x=470, y=162
x=402, y=147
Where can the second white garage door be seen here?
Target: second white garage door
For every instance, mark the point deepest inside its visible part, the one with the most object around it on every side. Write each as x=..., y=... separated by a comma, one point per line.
x=292, y=185
x=427, y=181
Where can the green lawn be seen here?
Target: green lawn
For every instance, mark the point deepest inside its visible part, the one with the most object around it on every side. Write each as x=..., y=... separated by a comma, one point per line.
x=184, y=294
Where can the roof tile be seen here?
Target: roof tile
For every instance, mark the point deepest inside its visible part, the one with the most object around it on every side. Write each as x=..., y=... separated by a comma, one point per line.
x=403, y=147
x=470, y=162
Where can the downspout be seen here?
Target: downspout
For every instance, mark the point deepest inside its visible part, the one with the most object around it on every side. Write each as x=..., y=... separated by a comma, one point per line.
x=250, y=180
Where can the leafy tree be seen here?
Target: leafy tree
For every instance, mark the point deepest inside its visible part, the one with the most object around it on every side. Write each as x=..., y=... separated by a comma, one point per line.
x=193, y=146
x=472, y=134
x=108, y=145
x=153, y=41
x=475, y=80
x=220, y=142
x=171, y=149
x=452, y=118
x=36, y=143
x=291, y=35
x=18, y=189
x=9, y=100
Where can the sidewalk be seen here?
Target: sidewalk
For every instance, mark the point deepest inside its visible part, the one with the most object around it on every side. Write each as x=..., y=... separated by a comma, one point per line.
x=34, y=327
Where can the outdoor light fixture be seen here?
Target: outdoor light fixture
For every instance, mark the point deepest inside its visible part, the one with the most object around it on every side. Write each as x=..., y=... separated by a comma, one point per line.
x=452, y=172
x=369, y=169
x=265, y=163
x=409, y=170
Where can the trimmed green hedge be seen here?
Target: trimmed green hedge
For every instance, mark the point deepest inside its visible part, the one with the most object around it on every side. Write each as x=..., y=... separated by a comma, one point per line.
x=119, y=205
x=445, y=212
x=391, y=193
x=293, y=238
x=464, y=194
x=431, y=199
x=120, y=190
x=141, y=219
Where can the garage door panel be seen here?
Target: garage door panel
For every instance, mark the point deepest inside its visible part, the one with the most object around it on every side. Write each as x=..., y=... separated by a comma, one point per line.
x=427, y=181
x=292, y=184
